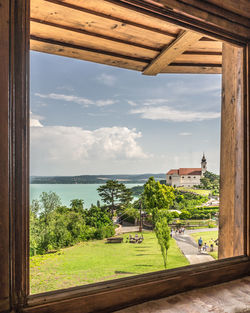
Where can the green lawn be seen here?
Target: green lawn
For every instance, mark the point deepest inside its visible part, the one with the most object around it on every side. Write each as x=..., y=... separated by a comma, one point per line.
x=197, y=191
x=96, y=261
x=207, y=237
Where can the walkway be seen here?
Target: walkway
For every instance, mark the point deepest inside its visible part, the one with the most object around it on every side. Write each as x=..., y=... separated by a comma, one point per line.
x=190, y=248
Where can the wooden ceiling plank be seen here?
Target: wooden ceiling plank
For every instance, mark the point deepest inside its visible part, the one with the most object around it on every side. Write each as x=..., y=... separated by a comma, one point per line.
x=181, y=69
x=115, y=9
x=210, y=46
x=240, y=7
x=170, y=53
x=72, y=17
x=199, y=58
x=86, y=55
x=85, y=40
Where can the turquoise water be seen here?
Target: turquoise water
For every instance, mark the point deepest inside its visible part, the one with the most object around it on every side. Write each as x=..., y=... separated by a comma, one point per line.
x=67, y=192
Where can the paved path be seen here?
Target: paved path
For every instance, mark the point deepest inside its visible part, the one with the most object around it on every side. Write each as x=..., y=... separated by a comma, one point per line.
x=128, y=229
x=190, y=249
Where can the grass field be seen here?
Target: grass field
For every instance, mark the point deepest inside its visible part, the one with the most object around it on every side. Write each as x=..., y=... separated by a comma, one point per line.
x=96, y=261
x=197, y=191
x=208, y=237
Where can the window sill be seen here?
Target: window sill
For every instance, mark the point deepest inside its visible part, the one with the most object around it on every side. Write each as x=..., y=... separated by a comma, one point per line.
x=223, y=298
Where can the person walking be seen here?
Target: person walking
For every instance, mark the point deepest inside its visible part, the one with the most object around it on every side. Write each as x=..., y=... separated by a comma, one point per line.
x=200, y=241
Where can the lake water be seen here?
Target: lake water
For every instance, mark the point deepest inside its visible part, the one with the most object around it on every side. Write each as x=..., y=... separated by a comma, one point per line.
x=67, y=192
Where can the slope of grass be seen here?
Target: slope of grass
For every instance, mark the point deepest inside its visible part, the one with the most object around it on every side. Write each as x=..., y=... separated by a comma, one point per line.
x=208, y=238
x=96, y=261
x=197, y=191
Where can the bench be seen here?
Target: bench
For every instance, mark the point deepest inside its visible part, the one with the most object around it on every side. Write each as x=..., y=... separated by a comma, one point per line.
x=115, y=240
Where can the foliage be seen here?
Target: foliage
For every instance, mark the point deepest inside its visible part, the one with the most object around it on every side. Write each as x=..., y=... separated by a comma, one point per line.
x=162, y=232
x=157, y=198
x=199, y=213
x=130, y=214
x=53, y=226
x=137, y=190
x=115, y=195
x=185, y=200
x=210, y=181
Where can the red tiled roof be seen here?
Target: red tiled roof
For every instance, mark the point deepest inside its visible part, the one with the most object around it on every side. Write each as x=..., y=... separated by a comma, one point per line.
x=171, y=172
x=185, y=171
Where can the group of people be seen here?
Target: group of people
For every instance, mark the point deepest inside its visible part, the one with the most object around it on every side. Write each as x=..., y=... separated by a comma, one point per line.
x=180, y=231
x=135, y=239
x=204, y=247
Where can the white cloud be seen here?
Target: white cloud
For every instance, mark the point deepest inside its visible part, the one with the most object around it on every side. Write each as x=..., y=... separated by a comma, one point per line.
x=35, y=120
x=157, y=101
x=167, y=113
x=106, y=79
x=185, y=134
x=102, y=103
x=78, y=100
x=132, y=103
x=68, y=147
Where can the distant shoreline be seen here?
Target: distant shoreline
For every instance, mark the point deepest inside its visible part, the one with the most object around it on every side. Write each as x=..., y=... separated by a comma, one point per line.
x=95, y=179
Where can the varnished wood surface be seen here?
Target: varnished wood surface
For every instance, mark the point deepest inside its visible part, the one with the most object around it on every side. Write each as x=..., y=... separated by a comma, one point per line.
x=231, y=24
x=240, y=7
x=247, y=152
x=171, y=53
x=113, y=33
x=232, y=203
x=4, y=175
x=19, y=153
x=224, y=298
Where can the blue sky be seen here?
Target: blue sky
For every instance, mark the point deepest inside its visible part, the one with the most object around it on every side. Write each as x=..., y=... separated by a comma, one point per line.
x=88, y=118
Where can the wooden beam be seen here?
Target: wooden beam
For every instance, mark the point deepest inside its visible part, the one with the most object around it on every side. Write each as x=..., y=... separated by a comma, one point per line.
x=170, y=53
x=192, y=69
x=211, y=17
x=78, y=52
x=4, y=156
x=116, y=10
x=232, y=201
x=87, y=40
x=76, y=17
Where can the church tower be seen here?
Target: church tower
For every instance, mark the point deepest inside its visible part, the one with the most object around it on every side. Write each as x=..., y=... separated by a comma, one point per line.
x=203, y=164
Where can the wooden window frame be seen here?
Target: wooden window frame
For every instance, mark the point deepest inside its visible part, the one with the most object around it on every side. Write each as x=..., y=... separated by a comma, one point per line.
x=14, y=178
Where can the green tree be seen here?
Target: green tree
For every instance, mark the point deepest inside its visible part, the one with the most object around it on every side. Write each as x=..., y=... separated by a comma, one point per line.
x=162, y=232
x=77, y=205
x=157, y=197
x=49, y=202
x=114, y=195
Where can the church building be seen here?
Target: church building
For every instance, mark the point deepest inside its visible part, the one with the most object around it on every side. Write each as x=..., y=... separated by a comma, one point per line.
x=186, y=177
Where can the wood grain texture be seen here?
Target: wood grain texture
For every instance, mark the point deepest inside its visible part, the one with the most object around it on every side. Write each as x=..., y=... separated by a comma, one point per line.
x=19, y=148
x=74, y=16
x=83, y=54
x=110, y=296
x=232, y=204
x=115, y=10
x=224, y=298
x=247, y=136
x=211, y=21
x=171, y=52
x=241, y=7
x=192, y=69
x=4, y=155
x=79, y=38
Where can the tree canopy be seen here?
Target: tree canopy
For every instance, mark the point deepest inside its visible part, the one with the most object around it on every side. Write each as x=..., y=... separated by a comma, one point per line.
x=115, y=195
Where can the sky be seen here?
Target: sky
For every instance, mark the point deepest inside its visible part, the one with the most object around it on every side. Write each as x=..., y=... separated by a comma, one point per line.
x=88, y=118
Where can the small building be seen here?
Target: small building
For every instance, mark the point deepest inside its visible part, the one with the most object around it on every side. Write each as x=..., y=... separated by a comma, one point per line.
x=186, y=177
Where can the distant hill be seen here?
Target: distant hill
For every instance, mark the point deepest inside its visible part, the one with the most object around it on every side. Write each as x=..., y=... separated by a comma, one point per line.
x=94, y=179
